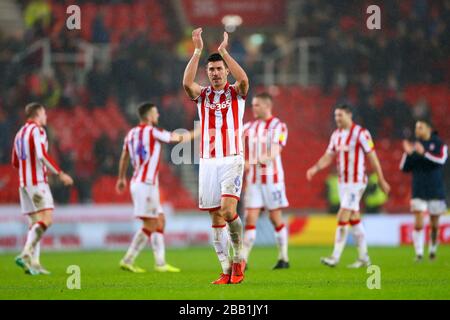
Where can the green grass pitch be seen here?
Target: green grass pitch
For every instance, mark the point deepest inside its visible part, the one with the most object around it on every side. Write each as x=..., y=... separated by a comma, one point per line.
x=101, y=278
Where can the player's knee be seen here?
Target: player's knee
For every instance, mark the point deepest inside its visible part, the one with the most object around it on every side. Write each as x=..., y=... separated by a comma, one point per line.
x=227, y=213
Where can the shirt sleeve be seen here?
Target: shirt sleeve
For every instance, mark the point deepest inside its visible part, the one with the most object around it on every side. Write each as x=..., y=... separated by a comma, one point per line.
x=41, y=152
x=366, y=141
x=125, y=145
x=331, y=149
x=162, y=135
x=202, y=90
x=438, y=155
x=280, y=134
x=14, y=156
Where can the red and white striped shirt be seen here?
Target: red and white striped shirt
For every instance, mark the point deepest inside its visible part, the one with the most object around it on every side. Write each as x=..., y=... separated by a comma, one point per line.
x=30, y=156
x=221, y=113
x=351, y=146
x=143, y=145
x=260, y=135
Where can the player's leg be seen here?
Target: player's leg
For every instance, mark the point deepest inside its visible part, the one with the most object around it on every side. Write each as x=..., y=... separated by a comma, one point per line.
x=158, y=246
x=43, y=221
x=281, y=236
x=230, y=175
x=436, y=208
x=221, y=242
x=419, y=207
x=140, y=239
x=419, y=234
x=434, y=233
x=359, y=235
x=145, y=210
x=235, y=229
x=347, y=200
x=35, y=257
x=251, y=217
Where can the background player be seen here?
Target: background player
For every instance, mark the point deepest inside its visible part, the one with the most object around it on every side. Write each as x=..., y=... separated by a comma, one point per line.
x=266, y=136
x=221, y=109
x=142, y=146
x=349, y=143
x=30, y=157
x=425, y=159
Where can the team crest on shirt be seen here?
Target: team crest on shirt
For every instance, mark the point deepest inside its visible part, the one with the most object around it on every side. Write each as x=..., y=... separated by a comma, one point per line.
x=432, y=146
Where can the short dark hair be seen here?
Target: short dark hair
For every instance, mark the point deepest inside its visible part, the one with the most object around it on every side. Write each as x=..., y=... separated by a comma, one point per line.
x=32, y=108
x=214, y=57
x=427, y=121
x=264, y=95
x=144, y=108
x=344, y=106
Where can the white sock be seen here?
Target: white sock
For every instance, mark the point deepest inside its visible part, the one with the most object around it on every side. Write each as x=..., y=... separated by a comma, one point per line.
x=249, y=241
x=137, y=244
x=159, y=250
x=221, y=244
x=236, y=235
x=34, y=235
x=36, y=254
x=340, y=241
x=281, y=236
x=359, y=235
x=419, y=241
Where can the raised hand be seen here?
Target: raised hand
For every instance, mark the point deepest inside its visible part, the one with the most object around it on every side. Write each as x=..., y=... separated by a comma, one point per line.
x=223, y=46
x=197, y=38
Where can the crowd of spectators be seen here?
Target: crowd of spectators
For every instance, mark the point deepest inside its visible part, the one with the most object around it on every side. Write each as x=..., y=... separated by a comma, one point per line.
x=412, y=47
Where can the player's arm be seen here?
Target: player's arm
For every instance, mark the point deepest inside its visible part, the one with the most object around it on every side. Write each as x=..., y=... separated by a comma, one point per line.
x=373, y=158
x=192, y=88
x=185, y=137
x=323, y=163
x=14, y=158
x=48, y=161
x=438, y=155
x=409, y=157
x=123, y=165
x=279, y=140
x=242, y=83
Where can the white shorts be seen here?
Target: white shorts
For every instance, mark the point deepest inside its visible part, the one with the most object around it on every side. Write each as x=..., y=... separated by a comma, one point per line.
x=434, y=207
x=219, y=177
x=268, y=196
x=37, y=198
x=350, y=195
x=145, y=200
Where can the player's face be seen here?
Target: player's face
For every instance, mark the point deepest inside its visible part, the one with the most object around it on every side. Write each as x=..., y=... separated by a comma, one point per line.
x=153, y=116
x=422, y=130
x=41, y=117
x=217, y=73
x=342, y=118
x=260, y=108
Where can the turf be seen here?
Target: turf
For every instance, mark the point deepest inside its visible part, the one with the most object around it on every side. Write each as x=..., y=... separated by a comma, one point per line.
x=101, y=278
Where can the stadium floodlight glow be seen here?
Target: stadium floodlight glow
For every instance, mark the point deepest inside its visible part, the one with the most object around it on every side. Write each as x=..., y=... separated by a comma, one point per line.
x=231, y=22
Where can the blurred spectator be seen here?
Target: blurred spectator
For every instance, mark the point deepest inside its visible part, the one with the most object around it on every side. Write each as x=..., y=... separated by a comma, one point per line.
x=100, y=33
x=401, y=115
x=99, y=83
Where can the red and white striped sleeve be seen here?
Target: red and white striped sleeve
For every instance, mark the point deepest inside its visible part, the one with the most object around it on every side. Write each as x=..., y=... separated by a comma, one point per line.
x=280, y=134
x=366, y=141
x=162, y=135
x=202, y=90
x=125, y=144
x=439, y=155
x=331, y=149
x=14, y=157
x=41, y=152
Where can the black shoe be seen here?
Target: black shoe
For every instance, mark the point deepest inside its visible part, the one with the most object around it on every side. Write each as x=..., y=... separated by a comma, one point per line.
x=246, y=267
x=432, y=256
x=281, y=264
x=419, y=258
